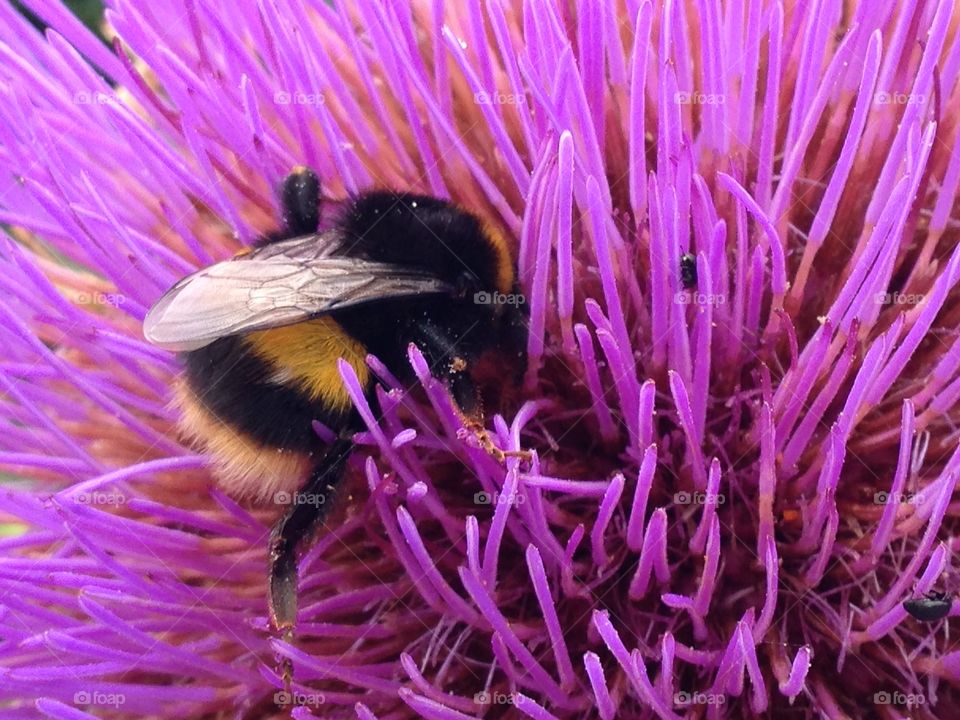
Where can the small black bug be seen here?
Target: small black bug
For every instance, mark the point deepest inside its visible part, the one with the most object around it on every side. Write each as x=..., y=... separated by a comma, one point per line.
x=933, y=606
x=688, y=270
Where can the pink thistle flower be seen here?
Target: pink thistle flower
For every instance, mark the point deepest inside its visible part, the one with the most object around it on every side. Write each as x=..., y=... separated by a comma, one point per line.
x=734, y=487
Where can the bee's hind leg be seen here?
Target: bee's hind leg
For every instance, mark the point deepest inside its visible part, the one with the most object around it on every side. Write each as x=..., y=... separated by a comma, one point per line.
x=300, y=205
x=300, y=195
x=307, y=508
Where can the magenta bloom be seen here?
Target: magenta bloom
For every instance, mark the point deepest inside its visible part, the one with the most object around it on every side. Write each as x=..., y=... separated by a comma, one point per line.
x=737, y=479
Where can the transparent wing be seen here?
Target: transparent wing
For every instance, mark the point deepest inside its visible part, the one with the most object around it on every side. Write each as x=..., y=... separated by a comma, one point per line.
x=279, y=284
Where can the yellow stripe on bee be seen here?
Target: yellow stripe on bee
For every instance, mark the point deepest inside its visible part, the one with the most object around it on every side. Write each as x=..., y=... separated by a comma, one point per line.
x=306, y=354
x=505, y=273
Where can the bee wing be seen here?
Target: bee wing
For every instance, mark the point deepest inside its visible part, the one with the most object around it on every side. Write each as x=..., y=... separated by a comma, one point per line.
x=279, y=284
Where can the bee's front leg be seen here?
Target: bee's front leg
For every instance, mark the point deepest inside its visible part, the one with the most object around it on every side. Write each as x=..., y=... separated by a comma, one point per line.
x=449, y=363
x=440, y=350
x=306, y=510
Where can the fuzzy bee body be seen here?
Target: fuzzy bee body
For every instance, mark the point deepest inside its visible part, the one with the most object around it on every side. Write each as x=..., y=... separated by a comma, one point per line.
x=262, y=335
x=256, y=420
x=253, y=388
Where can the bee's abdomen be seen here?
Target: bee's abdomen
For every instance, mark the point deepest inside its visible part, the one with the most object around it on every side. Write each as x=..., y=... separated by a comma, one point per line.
x=243, y=466
x=270, y=385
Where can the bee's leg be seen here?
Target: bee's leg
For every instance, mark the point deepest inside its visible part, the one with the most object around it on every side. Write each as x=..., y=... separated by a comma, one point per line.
x=300, y=203
x=453, y=368
x=446, y=362
x=307, y=509
x=300, y=195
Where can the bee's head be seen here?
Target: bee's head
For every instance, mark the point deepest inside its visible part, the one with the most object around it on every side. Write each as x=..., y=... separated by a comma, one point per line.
x=506, y=312
x=495, y=288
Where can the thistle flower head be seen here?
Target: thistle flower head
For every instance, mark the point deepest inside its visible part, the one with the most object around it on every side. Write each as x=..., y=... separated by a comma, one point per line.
x=735, y=483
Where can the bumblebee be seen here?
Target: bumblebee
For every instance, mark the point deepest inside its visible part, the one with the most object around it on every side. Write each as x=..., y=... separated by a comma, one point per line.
x=261, y=335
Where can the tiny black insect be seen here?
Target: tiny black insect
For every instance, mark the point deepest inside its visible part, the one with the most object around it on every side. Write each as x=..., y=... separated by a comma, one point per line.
x=933, y=606
x=688, y=270
x=262, y=335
